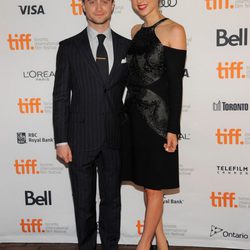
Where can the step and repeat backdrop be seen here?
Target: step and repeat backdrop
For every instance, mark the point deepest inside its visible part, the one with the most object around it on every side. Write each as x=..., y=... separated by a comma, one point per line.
x=213, y=205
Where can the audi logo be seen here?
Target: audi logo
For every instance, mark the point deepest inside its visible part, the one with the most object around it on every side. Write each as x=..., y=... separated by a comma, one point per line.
x=168, y=3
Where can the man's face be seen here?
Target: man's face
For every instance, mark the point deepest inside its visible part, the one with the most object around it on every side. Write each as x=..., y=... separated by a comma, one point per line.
x=98, y=11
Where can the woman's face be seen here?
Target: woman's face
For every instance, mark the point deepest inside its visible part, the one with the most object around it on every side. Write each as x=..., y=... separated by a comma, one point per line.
x=144, y=7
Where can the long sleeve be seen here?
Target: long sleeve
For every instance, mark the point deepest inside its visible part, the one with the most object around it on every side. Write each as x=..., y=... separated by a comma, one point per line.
x=61, y=95
x=175, y=63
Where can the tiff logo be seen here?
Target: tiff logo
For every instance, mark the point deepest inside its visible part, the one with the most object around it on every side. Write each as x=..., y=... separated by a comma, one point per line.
x=76, y=6
x=29, y=105
x=140, y=227
x=240, y=39
x=23, y=167
x=32, y=226
x=20, y=42
x=218, y=4
x=231, y=70
x=31, y=9
x=231, y=136
x=40, y=200
x=223, y=199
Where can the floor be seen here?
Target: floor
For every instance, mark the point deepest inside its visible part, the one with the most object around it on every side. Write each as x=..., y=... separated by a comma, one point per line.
x=12, y=246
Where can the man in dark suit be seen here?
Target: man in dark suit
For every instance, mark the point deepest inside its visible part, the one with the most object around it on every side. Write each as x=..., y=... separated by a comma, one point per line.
x=87, y=100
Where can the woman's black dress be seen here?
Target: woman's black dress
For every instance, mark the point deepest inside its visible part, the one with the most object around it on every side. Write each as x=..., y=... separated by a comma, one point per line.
x=153, y=106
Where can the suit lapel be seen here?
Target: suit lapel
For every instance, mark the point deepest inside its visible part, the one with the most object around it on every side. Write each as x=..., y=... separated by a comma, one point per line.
x=117, y=57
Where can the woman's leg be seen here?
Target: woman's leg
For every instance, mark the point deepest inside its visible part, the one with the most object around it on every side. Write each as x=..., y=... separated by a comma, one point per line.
x=161, y=240
x=160, y=237
x=153, y=214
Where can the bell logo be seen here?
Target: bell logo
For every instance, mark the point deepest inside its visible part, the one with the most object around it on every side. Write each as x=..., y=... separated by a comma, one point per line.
x=231, y=70
x=223, y=199
x=241, y=39
x=23, y=167
x=32, y=226
x=139, y=227
x=20, y=42
x=29, y=105
x=44, y=200
x=229, y=136
x=76, y=6
x=218, y=4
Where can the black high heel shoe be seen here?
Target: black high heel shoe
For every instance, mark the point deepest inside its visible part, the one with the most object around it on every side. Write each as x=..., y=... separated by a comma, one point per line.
x=153, y=247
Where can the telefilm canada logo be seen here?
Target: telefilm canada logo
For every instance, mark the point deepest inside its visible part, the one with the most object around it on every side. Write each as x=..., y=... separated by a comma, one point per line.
x=32, y=137
x=168, y=3
x=232, y=170
x=216, y=231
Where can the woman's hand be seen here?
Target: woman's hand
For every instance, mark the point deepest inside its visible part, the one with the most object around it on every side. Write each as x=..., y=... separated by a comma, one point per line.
x=172, y=142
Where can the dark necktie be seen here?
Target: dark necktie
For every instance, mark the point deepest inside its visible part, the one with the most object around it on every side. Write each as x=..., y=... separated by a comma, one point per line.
x=102, y=57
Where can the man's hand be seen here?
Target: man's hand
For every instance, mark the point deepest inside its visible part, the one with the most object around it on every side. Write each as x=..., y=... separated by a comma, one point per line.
x=64, y=153
x=172, y=142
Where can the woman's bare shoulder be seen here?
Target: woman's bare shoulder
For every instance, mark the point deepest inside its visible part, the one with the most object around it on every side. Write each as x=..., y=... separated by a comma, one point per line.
x=172, y=34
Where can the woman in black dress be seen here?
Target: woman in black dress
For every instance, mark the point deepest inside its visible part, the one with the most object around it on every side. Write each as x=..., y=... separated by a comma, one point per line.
x=153, y=103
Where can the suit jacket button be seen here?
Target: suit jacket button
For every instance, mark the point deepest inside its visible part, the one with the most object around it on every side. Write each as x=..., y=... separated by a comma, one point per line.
x=105, y=90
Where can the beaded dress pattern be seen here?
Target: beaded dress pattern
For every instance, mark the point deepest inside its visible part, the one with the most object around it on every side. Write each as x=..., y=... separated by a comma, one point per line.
x=146, y=66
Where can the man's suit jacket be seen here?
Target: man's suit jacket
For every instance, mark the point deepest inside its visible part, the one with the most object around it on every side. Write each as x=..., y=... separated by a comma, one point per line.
x=86, y=109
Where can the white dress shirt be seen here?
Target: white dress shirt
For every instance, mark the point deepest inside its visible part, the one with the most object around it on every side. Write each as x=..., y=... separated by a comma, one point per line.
x=108, y=44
